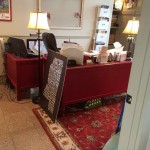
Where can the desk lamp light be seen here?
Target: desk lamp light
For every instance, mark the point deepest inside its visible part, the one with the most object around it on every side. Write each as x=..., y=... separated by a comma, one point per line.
x=131, y=29
x=118, y=4
x=39, y=22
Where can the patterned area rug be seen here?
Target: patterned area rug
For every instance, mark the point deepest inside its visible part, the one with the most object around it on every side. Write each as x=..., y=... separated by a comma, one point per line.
x=82, y=130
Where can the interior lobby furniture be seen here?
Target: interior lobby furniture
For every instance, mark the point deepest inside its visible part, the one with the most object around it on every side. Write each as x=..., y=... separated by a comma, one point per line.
x=82, y=83
x=94, y=81
x=21, y=72
x=87, y=82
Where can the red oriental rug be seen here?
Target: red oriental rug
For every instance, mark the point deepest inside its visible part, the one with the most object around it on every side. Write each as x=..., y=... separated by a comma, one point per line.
x=82, y=130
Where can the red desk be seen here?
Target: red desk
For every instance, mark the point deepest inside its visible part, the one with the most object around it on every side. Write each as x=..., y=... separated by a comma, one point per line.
x=94, y=81
x=82, y=83
x=88, y=82
x=22, y=72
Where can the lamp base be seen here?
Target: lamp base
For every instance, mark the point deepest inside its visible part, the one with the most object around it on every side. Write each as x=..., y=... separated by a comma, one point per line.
x=129, y=55
x=36, y=99
x=128, y=58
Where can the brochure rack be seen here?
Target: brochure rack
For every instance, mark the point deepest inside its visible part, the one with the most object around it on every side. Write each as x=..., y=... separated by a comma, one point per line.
x=103, y=22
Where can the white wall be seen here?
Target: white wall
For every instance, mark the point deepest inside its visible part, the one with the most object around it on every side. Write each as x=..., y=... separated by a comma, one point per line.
x=20, y=18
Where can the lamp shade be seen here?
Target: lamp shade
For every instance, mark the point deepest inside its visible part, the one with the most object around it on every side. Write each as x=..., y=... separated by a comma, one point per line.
x=132, y=27
x=118, y=4
x=38, y=21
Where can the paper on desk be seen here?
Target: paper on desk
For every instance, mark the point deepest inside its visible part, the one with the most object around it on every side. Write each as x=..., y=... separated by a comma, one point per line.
x=117, y=45
x=71, y=45
x=73, y=54
x=118, y=48
x=118, y=53
x=92, y=53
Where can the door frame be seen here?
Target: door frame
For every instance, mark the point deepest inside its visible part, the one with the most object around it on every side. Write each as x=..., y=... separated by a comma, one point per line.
x=135, y=113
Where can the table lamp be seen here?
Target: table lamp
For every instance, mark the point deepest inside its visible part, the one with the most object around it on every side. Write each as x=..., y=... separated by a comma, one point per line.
x=131, y=29
x=118, y=4
x=39, y=22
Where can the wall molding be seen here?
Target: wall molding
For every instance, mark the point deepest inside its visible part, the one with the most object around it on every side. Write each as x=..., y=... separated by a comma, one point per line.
x=58, y=37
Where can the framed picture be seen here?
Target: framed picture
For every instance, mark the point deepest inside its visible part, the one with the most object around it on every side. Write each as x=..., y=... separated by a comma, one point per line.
x=5, y=10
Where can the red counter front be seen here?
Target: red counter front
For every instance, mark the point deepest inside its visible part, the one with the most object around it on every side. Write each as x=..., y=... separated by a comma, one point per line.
x=94, y=81
x=82, y=83
x=22, y=72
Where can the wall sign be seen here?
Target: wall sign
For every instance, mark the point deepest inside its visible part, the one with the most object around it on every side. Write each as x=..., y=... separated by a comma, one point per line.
x=53, y=83
x=5, y=10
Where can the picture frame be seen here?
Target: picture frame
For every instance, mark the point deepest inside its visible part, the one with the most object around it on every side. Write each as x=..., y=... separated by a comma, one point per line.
x=72, y=18
x=5, y=10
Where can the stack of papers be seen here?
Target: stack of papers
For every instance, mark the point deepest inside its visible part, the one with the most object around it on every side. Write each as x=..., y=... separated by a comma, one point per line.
x=73, y=54
x=93, y=53
x=71, y=45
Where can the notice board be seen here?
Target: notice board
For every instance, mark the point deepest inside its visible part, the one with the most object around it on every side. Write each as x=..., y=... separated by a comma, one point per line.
x=53, y=83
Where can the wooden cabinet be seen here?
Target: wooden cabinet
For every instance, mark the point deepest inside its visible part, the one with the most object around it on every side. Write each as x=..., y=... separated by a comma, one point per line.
x=114, y=27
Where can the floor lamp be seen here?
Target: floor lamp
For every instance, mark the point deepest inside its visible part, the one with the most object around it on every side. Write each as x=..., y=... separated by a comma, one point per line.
x=131, y=29
x=39, y=22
